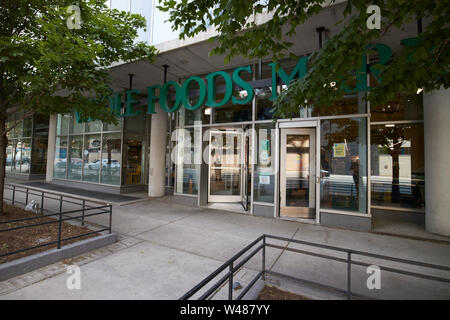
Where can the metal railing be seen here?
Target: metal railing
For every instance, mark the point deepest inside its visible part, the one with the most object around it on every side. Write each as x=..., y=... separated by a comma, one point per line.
x=260, y=245
x=84, y=209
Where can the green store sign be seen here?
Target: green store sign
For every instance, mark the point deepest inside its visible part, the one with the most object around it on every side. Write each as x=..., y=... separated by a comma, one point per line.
x=207, y=86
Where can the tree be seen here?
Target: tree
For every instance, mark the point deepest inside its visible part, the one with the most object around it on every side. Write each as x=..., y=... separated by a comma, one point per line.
x=421, y=63
x=54, y=57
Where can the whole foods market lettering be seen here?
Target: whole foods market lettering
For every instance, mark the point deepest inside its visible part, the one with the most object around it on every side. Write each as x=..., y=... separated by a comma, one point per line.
x=207, y=86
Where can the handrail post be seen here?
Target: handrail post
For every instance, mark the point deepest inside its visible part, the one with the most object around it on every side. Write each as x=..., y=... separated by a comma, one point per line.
x=42, y=203
x=110, y=218
x=230, y=282
x=82, y=214
x=349, y=275
x=26, y=197
x=14, y=194
x=60, y=203
x=264, y=258
x=59, y=230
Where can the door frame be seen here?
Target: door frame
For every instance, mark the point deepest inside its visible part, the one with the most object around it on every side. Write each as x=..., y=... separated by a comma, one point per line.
x=226, y=198
x=312, y=124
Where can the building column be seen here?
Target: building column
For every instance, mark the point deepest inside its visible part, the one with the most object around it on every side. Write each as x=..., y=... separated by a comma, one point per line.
x=437, y=160
x=157, y=165
x=51, y=148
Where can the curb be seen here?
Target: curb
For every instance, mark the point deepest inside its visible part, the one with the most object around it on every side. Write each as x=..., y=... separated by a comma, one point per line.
x=26, y=264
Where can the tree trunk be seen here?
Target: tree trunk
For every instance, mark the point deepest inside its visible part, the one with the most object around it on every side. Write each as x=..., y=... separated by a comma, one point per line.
x=3, y=145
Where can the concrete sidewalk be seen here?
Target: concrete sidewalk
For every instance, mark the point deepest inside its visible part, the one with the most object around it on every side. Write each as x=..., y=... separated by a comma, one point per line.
x=165, y=249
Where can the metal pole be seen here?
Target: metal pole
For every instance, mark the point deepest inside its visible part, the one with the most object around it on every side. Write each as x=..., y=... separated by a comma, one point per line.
x=260, y=69
x=264, y=258
x=13, y=195
x=165, y=66
x=320, y=30
x=110, y=218
x=82, y=213
x=42, y=203
x=60, y=203
x=59, y=230
x=26, y=198
x=230, y=282
x=349, y=276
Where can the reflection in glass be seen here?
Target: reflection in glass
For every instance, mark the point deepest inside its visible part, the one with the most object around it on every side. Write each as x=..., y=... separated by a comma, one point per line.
x=354, y=104
x=263, y=104
x=91, y=157
x=75, y=126
x=111, y=158
x=62, y=124
x=343, y=164
x=75, y=158
x=39, y=155
x=133, y=160
x=264, y=179
x=231, y=112
x=11, y=155
x=402, y=108
x=59, y=170
x=397, y=164
x=27, y=127
x=186, y=170
x=112, y=126
x=94, y=126
x=25, y=150
x=297, y=170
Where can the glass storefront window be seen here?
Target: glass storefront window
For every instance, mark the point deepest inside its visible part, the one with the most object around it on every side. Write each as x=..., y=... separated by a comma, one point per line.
x=343, y=183
x=402, y=108
x=62, y=124
x=75, y=126
x=28, y=127
x=264, y=178
x=111, y=158
x=39, y=155
x=25, y=151
x=94, y=126
x=60, y=166
x=10, y=155
x=397, y=165
x=233, y=112
x=75, y=158
x=16, y=156
x=132, y=158
x=263, y=104
x=186, y=170
x=354, y=104
x=112, y=126
x=91, y=157
x=18, y=130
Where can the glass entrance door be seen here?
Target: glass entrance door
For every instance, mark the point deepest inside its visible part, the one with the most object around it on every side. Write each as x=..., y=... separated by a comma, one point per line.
x=297, y=173
x=225, y=166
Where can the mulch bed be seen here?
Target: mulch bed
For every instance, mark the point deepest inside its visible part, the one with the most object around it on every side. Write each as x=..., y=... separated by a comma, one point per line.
x=28, y=237
x=273, y=293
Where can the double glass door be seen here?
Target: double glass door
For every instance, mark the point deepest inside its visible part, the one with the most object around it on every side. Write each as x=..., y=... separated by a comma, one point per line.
x=297, y=173
x=227, y=172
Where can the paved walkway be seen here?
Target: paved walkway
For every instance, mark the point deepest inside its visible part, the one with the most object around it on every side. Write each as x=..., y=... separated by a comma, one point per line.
x=164, y=249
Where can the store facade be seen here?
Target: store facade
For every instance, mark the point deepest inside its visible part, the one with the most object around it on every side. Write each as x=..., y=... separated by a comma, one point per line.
x=203, y=132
